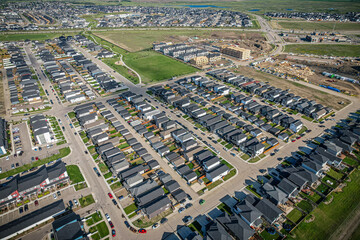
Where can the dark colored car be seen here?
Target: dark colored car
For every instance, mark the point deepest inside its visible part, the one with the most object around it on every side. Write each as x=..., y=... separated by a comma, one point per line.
x=26, y=207
x=113, y=232
x=114, y=201
x=127, y=224
x=111, y=224
x=163, y=220
x=36, y=202
x=21, y=210
x=133, y=230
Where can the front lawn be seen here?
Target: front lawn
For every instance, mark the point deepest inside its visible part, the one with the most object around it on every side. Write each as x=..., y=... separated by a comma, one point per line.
x=230, y=175
x=131, y=208
x=87, y=200
x=103, y=229
x=74, y=174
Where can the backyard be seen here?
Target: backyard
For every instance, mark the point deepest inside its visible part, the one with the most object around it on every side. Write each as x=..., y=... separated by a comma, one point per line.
x=328, y=217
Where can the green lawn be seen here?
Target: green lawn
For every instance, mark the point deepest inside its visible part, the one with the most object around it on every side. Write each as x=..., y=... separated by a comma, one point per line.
x=124, y=71
x=340, y=50
x=94, y=218
x=227, y=164
x=329, y=217
x=323, y=189
x=214, y=184
x=131, y=208
x=87, y=200
x=313, y=197
x=230, y=174
x=350, y=161
x=115, y=186
x=327, y=179
x=336, y=175
x=305, y=205
x=63, y=152
x=103, y=168
x=74, y=174
x=153, y=66
x=312, y=26
x=267, y=236
x=295, y=215
x=103, y=229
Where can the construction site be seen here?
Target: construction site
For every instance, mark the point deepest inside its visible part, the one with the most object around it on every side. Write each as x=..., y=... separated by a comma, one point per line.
x=312, y=70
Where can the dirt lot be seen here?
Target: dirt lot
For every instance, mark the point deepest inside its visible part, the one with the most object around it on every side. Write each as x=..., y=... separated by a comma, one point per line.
x=349, y=69
x=296, y=88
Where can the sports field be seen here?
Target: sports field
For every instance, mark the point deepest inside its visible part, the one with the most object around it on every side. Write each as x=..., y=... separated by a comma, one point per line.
x=318, y=26
x=336, y=50
x=151, y=66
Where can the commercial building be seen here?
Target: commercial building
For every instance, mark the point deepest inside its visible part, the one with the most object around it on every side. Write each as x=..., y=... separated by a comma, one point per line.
x=236, y=52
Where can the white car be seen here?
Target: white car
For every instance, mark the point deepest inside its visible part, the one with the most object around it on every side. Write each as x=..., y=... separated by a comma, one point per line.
x=107, y=217
x=75, y=202
x=55, y=196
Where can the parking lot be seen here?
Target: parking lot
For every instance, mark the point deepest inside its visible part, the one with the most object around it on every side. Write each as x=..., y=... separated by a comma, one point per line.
x=67, y=194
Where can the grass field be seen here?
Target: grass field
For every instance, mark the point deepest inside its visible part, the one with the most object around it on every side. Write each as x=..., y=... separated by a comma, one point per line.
x=305, y=205
x=136, y=40
x=265, y=6
x=151, y=66
x=34, y=36
x=329, y=217
x=340, y=50
x=309, y=26
x=87, y=200
x=124, y=71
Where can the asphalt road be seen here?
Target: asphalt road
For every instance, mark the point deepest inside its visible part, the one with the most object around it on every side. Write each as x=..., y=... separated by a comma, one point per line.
x=99, y=188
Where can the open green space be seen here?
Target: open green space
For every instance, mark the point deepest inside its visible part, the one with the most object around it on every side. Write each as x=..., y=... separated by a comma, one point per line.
x=102, y=229
x=151, y=66
x=267, y=236
x=124, y=71
x=74, y=174
x=63, y=152
x=137, y=40
x=328, y=217
x=336, y=50
x=87, y=200
x=36, y=36
x=312, y=26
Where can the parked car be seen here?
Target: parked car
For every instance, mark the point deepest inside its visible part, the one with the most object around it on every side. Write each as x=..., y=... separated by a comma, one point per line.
x=26, y=207
x=110, y=195
x=21, y=210
x=133, y=230
x=113, y=232
x=181, y=210
x=163, y=220
x=111, y=224
x=155, y=226
x=187, y=219
x=36, y=202
x=114, y=202
x=54, y=195
x=127, y=224
x=142, y=230
x=202, y=201
x=75, y=202
x=188, y=205
x=59, y=193
x=107, y=217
